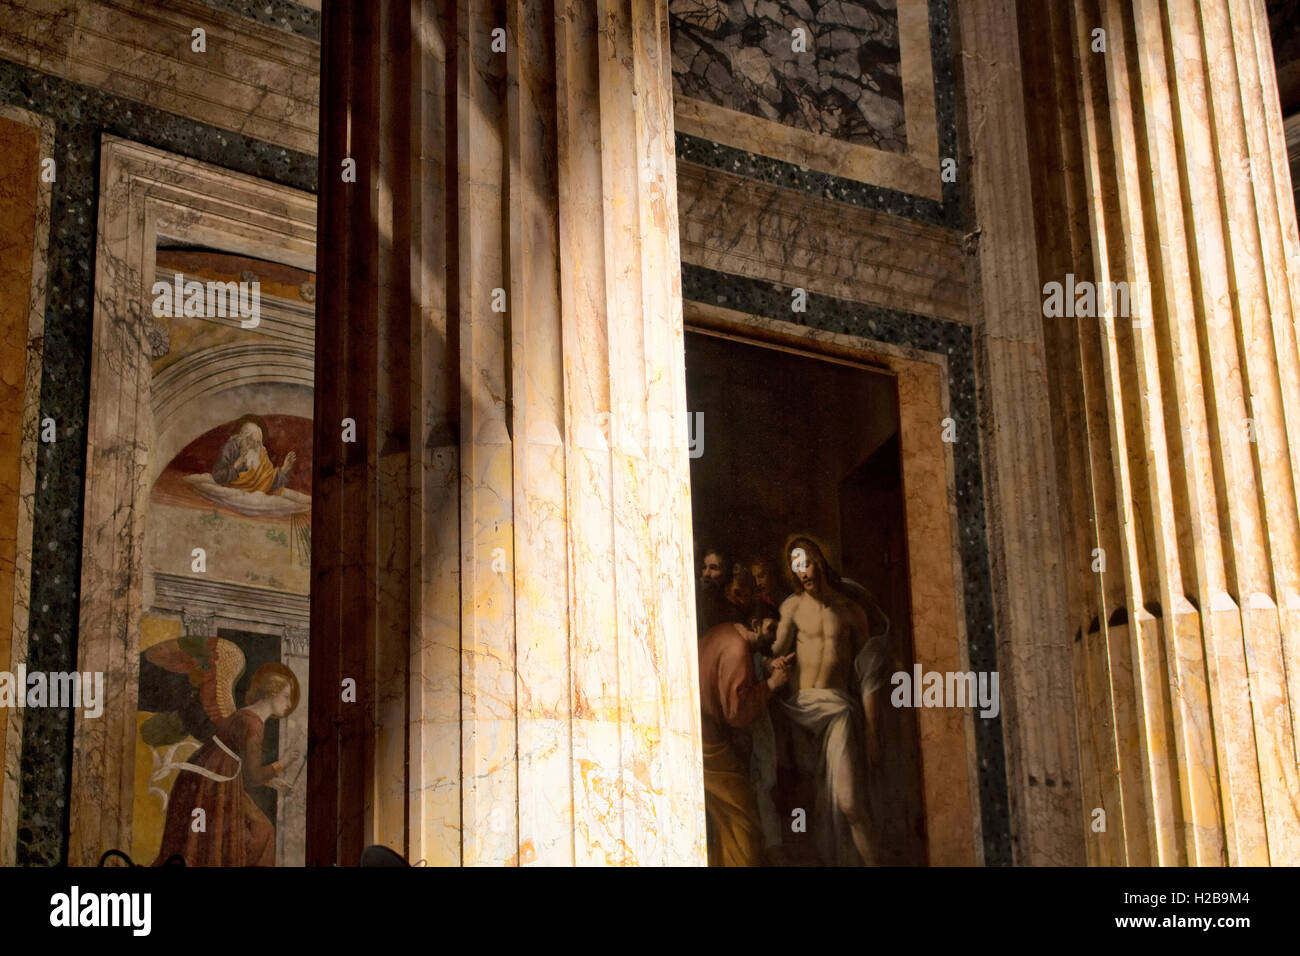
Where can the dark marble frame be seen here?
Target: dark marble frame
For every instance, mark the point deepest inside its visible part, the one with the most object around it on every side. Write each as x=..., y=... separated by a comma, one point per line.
x=955, y=342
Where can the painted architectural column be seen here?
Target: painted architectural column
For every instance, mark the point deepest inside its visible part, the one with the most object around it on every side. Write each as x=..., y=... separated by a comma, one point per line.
x=501, y=529
x=1162, y=208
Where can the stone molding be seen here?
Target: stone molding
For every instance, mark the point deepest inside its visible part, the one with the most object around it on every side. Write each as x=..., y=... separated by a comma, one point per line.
x=252, y=79
x=745, y=227
x=259, y=609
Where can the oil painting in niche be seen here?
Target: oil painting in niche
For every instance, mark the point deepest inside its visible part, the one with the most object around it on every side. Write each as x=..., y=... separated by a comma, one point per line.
x=221, y=707
x=804, y=610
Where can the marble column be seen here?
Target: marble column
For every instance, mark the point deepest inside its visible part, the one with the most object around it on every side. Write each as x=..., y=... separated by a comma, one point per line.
x=501, y=520
x=1160, y=181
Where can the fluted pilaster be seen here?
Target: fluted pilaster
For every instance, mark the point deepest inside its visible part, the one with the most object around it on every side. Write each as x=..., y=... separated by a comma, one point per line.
x=1026, y=552
x=1160, y=178
x=501, y=557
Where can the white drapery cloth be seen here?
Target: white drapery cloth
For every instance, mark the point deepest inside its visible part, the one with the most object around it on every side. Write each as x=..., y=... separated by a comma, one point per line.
x=833, y=721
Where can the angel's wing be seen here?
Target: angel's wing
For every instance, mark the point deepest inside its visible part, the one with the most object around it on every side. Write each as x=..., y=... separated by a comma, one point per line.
x=226, y=663
x=172, y=656
x=210, y=666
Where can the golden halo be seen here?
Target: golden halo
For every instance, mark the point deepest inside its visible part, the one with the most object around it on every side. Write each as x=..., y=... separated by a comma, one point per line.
x=826, y=550
x=274, y=669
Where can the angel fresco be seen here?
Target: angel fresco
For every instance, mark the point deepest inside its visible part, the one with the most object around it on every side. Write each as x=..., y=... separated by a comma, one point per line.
x=189, y=683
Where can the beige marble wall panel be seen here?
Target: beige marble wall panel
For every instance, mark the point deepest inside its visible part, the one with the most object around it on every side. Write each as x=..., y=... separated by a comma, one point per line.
x=938, y=620
x=1197, y=773
x=25, y=139
x=647, y=401
x=1049, y=57
x=1111, y=850
x=671, y=594
x=1283, y=264
x=1130, y=441
x=435, y=735
x=1128, y=562
x=540, y=569
x=1089, y=780
x=1029, y=596
x=252, y=79
x=1269, y=368
x=643, y=384
x=744, y=227
x=388, y=528
x=1241, y=798
x=1161, y=573
x=1239, y=775
x=1108, y=577
x=1193, y=489
x=434, y=772
x=628, y=369
x=489, y=782
x=598, y=832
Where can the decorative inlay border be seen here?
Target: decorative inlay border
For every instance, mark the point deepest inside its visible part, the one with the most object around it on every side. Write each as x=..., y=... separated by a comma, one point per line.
x=915, y=172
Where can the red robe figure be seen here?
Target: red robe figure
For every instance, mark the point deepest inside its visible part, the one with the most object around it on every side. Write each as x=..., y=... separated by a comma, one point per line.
x=731, y=697
x=232, y=830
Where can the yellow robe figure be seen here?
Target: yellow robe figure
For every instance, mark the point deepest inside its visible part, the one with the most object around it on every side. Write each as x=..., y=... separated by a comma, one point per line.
x=734, y=835
x=259, y=478
x=730, y=697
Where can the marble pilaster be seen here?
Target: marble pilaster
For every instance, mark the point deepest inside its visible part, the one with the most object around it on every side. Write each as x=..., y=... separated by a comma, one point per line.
x=501, y=558
x=1025, y=540
x=1160, y=163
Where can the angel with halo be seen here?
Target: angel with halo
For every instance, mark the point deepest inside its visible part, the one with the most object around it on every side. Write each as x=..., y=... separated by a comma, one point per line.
x=191, y=683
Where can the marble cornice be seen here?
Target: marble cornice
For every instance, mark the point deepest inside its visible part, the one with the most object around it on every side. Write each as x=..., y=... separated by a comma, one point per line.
x=745, y=227
x=253, y=79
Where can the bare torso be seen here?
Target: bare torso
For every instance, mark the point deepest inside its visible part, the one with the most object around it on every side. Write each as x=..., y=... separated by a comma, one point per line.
x=824, y=636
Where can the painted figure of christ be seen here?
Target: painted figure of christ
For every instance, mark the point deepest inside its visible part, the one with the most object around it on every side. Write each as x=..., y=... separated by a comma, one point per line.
x=833, y=671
